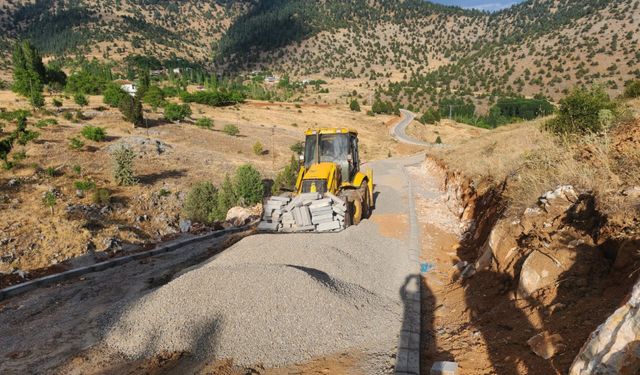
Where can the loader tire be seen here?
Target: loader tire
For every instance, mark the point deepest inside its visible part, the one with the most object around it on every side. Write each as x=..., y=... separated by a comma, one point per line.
x=358, y=212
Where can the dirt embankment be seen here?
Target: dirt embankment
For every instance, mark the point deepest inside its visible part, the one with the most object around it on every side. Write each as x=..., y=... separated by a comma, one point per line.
x=526, y=289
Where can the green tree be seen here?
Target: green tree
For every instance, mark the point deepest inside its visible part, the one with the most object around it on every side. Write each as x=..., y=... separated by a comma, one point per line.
x=176, y=112
x=131, y=109
x=113, y=95
x=201, y=203
x=145, y=82
x=154, y=96
x=248, y=184
x=354, y=106
x=80, y=99
x=580, y=111
x=227, y=197
x=28, y=70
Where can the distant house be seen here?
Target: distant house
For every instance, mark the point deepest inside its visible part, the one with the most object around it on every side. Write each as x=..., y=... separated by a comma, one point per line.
x=271, y=79
x=177, y=70
x=128, y=87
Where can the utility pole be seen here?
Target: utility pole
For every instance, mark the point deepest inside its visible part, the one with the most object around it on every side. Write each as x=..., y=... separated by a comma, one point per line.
x=450, y=111
x=273, y=148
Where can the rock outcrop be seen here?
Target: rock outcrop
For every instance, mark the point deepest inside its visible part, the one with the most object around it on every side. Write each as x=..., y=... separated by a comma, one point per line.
x=614, y=348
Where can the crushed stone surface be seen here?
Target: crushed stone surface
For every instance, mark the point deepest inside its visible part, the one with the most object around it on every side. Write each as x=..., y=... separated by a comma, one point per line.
x=276, y=300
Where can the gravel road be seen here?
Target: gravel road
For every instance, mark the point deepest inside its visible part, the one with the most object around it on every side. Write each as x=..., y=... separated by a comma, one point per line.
x=269, y=300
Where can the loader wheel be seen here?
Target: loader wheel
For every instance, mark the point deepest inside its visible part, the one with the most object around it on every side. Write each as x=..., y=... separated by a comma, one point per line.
x=366, y=203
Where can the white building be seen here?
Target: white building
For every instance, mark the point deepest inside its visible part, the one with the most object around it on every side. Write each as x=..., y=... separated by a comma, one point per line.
x=127, y=86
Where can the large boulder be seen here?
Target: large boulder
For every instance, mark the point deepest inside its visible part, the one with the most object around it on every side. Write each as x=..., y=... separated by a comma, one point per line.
x=543, y=269
x=614, y=347
x=239, y=216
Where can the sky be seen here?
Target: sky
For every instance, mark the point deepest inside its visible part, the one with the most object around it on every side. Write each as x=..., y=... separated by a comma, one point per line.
x=489, y=5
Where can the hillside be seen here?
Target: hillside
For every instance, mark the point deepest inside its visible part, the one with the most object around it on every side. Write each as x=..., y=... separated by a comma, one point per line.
x=412, y=52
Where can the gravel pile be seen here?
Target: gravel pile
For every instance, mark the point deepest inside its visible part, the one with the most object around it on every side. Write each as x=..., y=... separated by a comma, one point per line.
x=276, y=300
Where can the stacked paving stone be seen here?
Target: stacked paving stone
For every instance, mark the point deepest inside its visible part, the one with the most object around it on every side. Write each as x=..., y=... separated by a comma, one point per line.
x=305, y=213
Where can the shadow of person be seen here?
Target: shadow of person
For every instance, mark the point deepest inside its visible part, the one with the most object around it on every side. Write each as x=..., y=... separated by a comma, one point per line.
x=408, y=357
x=429, y=348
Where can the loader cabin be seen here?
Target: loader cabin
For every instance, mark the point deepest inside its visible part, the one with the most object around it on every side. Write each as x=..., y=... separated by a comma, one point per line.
x=333, y=145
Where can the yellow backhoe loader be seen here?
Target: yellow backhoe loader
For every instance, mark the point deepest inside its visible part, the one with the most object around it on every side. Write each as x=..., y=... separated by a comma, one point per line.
x=331, y=193
x=331, y=163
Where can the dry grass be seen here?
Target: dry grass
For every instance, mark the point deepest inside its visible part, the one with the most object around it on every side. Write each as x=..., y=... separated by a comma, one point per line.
x=533, y=161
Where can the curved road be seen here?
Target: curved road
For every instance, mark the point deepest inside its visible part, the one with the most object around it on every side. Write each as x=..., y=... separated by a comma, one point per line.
x=398, y=131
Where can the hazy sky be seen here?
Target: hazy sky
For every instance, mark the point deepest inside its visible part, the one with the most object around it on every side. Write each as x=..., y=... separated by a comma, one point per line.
x=490, y=5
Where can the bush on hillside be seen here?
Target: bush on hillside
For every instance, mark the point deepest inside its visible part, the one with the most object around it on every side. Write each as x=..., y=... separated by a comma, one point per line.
x=431, y=116
x=123, y=173
x=231, y=130
x=204, y=122
x=355, y=106
x=258, y=148
x=93, y=133
x=581, y=112
x=201, y=204
x=80, y=99
x=154, y=96
x=176, y=112
x=286, y=179
x=248, y=185
x=113, y=95
x=632, y=89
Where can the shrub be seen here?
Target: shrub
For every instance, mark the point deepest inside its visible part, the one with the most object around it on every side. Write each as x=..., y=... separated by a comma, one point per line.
x=37, y=100
x=231, y=129
x=438, y=140
x=19, y=156
x=354, y=106
x=75, y=143
x=176, y=112
x=154, y=97
x=286, y=179
x=51, y=172
x=123, y=166
x=67, y=116
x=213, y=98
x=131, y=109
x=632, y=89
x=56, y=102
x=77, y=169
x=80, y=99
x=46, y=122
x=204, y=122
x=258, y=149
x=201, y=204
x=248, y=185
x=297, y=148
x=580, y=112
x=101, y=197
x=84, y=185
x=93, y=133
x=49, y=200
x=431, y=116
x=113, y=95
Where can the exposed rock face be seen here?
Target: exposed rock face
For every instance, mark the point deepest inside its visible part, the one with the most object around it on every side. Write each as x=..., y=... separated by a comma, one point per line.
x=614, y=348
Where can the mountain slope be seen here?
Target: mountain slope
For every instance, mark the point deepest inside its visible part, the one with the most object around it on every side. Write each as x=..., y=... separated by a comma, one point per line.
x=412, y=51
